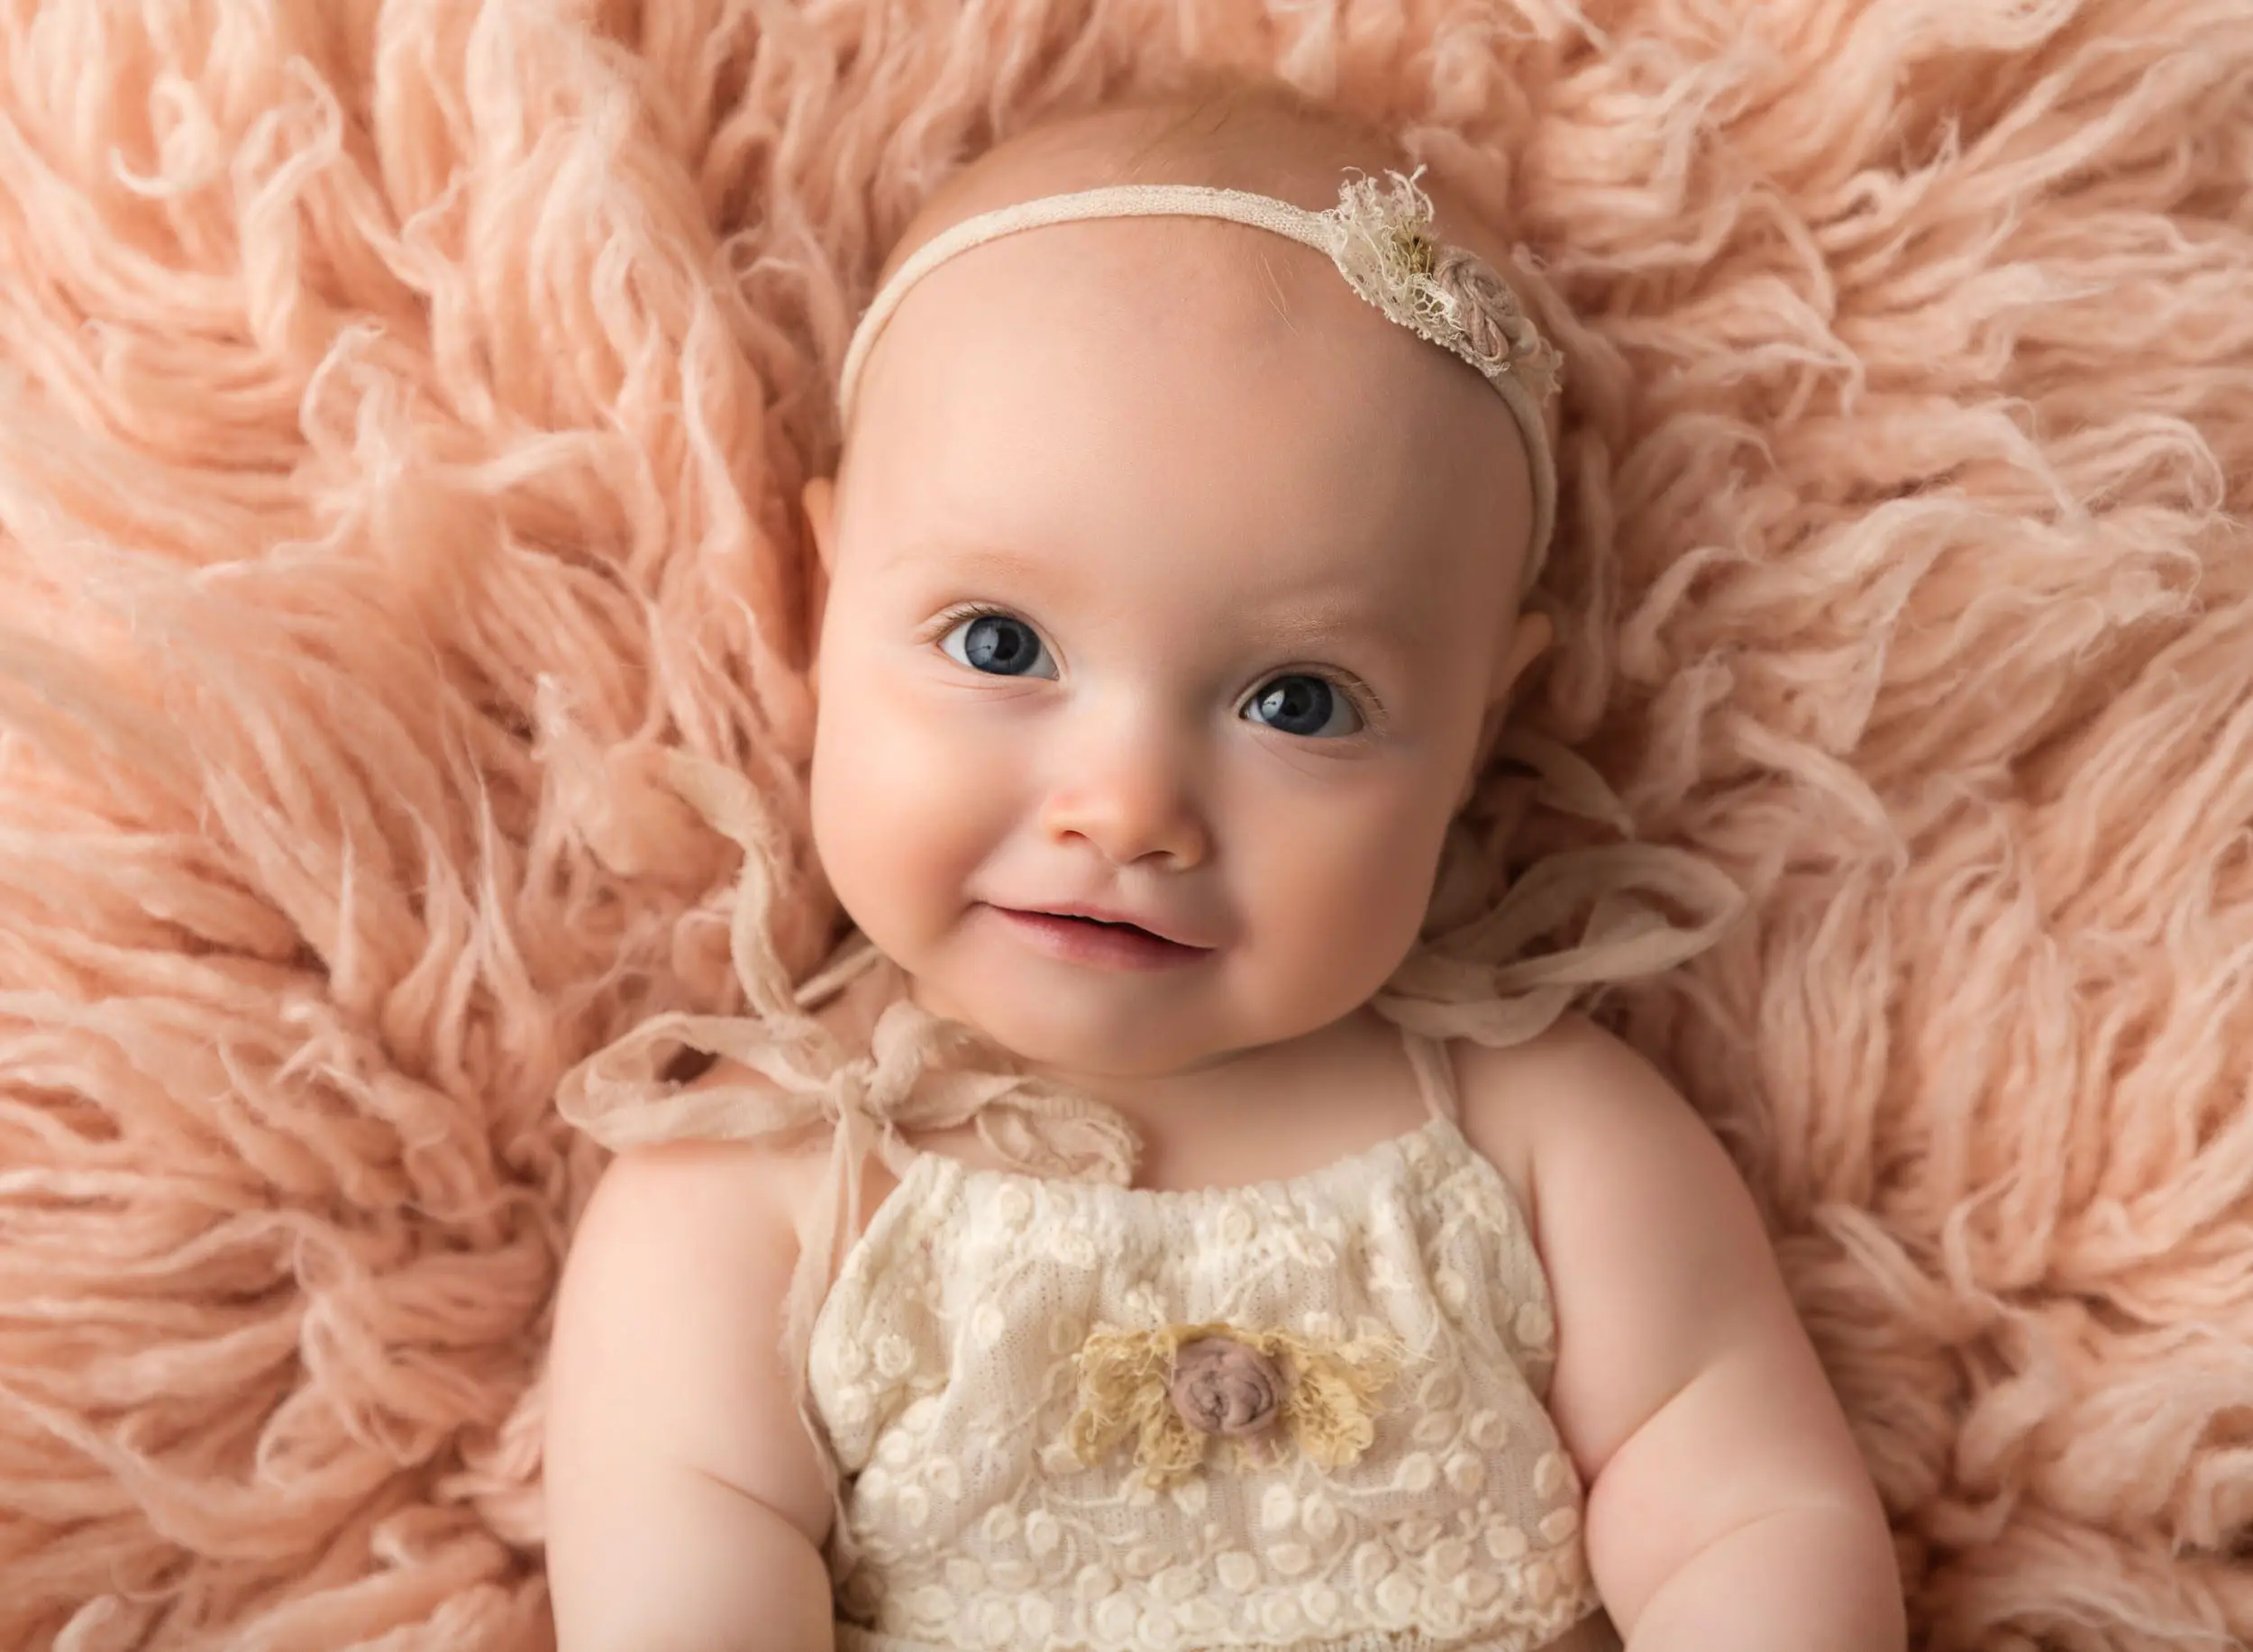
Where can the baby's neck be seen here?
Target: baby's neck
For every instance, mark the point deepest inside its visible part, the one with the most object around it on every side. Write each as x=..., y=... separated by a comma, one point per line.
x=1270, y=1113
x=1265, y=1113
x=1233, y=1078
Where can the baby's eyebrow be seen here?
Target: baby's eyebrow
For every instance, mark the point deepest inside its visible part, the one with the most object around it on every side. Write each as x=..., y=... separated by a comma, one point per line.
x=972, y=560
x=986, y=559
x=1296, y=620
x=1312, y=625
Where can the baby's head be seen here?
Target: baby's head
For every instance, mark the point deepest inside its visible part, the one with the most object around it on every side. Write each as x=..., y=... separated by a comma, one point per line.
x=1166, y=577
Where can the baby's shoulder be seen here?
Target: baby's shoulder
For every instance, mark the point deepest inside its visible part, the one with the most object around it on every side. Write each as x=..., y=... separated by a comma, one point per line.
x=766, y=1190
x=765, y=1187
x=1554, y=1112
x=1575, y=1065
x=671, y=1224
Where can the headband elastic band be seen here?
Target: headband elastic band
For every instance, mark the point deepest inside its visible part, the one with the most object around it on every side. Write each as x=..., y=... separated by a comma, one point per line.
x=1381, y=242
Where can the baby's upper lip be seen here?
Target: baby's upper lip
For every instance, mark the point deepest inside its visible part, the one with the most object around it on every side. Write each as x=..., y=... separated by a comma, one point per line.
x=1114, y=914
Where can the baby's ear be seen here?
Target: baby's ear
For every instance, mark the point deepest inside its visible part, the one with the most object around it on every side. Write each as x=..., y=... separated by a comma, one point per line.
x=1528, y=640
x=1528, y=637
x=820, y=499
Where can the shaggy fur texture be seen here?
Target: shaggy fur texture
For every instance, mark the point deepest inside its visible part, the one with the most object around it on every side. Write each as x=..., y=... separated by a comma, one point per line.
x=399, y=414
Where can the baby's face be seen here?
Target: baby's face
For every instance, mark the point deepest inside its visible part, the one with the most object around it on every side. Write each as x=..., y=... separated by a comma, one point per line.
x=1169, y=579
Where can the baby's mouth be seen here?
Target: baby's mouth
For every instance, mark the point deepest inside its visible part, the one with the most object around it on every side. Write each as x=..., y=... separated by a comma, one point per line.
x=1102, y=923
x=1116, y=942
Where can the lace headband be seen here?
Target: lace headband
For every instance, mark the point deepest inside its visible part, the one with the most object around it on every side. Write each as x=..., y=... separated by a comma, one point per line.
x=1381, y=243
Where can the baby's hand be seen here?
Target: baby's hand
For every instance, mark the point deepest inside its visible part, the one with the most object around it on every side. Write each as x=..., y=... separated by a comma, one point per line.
x=1727, y=1504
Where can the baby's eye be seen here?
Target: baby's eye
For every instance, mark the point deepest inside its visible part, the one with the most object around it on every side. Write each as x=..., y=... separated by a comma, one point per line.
x=1000, y=645
x=1298, y=704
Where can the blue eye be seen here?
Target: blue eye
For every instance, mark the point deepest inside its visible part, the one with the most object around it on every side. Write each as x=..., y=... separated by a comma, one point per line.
x=994, y=644
x=1298, y=704
x=999, y=645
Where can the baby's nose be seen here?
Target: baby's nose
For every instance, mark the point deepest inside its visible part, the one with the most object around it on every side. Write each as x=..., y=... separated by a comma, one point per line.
x=1126, y=791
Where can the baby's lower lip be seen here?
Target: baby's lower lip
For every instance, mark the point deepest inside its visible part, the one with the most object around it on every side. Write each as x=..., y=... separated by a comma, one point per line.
x=1079, y=940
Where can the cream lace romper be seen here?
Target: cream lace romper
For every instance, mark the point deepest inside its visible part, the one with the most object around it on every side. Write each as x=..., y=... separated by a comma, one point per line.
x=997, y=1369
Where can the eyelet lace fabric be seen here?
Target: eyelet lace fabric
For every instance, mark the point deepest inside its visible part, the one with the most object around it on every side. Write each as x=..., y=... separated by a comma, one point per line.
x=945, y=1367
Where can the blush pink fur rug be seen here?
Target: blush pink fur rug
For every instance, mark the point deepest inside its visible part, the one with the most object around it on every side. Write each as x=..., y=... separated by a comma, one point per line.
x=400, y=411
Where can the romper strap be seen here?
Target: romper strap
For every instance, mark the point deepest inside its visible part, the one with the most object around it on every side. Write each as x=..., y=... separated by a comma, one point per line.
x=1434, y=1073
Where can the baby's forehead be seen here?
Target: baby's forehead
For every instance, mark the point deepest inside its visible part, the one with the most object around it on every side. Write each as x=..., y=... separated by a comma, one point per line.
x=1036, y=374
x=1239, y=389
x=1239, y=298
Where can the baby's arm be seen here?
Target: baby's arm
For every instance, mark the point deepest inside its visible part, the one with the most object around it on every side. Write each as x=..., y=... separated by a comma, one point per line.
x=685, y=1506
x=1727, y=1504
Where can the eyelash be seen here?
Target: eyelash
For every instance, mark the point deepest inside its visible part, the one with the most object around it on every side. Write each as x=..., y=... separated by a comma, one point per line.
x=1366, y=705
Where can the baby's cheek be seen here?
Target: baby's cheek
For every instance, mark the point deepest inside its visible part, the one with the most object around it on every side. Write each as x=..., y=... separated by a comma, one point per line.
x=1347, y=909
x=893, y=819
x=850, y=796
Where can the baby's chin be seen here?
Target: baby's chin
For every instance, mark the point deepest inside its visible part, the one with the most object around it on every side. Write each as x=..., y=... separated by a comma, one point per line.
x=1042, y=1036
x=1092, y=1029
x=1092, y=1035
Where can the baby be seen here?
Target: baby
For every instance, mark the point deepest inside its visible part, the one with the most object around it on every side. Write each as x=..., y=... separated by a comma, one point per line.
x=1120, y=1256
